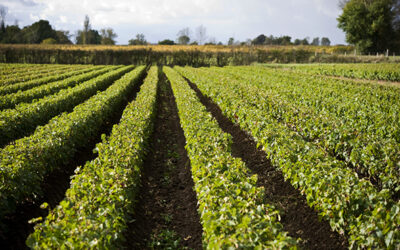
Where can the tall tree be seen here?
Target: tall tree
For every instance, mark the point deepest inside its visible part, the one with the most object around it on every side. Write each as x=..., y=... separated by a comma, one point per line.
x=201, y=34
x=259, y=40
x=370, y=25
x=3, y=14
x=325, y=41
x=38, y=32
x=315, y=41
x=140, y=40
x=231, y=41
x=86, y=30
x=63, y=37
x=108, y=36
x=93, y=37
x=183, y=36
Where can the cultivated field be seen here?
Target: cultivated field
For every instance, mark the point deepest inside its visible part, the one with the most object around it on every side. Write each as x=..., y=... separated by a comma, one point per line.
x=266, y=156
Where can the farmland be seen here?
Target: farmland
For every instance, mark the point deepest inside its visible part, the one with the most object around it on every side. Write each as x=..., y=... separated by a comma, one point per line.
x=268, y=156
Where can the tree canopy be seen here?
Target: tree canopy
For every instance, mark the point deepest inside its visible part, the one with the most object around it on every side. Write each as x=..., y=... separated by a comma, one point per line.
x=371, y=25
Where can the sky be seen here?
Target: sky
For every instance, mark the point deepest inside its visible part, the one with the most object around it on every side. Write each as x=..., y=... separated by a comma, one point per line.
x=162, y=19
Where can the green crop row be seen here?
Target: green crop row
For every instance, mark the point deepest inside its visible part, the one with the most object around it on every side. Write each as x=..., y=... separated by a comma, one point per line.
x=365, y=135
x=30, y=75
x=4, y=90
x=231, y=206
x=380, y=71
x=27, y=116
x=26, y=162
x=369, y=218
x=24, y=69
x=16, y=68
x=99, y=203
x=11, y=100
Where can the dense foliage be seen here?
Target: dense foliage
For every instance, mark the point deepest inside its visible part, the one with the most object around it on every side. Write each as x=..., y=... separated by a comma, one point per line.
x=231, y=206
x=25, y=117
x=335, y=137
x=99, y=203
x=27, y=161
x=352, y=205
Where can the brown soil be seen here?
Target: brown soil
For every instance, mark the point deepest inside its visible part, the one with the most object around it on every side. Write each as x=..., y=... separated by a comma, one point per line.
x=54, y=186
x=298, y=219
x=167, y=200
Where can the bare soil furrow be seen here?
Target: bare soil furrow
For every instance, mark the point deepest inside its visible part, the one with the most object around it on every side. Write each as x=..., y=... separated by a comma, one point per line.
x=298, y=219
x=166, y=212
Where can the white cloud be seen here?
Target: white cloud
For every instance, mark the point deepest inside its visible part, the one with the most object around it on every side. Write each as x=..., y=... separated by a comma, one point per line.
x=159, y=19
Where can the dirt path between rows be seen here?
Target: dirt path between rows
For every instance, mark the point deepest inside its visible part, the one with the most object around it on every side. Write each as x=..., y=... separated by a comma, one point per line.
x=55, y=185
x=166, y=211
x=298, y=219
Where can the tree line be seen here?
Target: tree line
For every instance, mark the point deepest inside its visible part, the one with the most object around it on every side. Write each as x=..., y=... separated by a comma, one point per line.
x=41, y=32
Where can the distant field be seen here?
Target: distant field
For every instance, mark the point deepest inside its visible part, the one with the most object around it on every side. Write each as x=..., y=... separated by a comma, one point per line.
x=268, y=156
x=210, y=55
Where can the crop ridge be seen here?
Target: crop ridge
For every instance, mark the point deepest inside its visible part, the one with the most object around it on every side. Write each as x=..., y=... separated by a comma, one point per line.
x=56, y=183
x=167, y=201
x=298, y=218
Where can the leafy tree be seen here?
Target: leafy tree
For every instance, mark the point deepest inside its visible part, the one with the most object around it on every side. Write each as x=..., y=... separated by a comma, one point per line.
x=259, y=40
x=12, y=34
x=286, y=40
x=183, y=40
x=3, y=14
x=370, y=25
x=63, y=37
x=183, y=36
x=108, y=36
x=166, y=42
x=38, y=31
x=140, y=40
x=315, y=41
x=86, y=30
x=201, y=34
x=325, y=41
x=49, y=41
x=231, y=41
x=92, y=37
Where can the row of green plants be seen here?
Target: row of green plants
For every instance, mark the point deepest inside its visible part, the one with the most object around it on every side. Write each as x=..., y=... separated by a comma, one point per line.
x=369, y=218
x=11, y=100
x=30, y=75
x=99, y=203
x=25, y=117
x=9, y=69
x=365, y=134
x=25, y=69
x=29, y=160
x=380, y=71
x=232, y=211
x=22, y=86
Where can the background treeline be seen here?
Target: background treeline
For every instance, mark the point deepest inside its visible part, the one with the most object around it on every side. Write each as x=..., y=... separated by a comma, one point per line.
x=41, y=32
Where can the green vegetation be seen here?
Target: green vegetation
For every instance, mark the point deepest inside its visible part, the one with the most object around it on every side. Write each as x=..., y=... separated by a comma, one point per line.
x=331, y=130
x=371, y=25
x=231, y=206
x=352, y=205
x=99, y=203
x=26, y=116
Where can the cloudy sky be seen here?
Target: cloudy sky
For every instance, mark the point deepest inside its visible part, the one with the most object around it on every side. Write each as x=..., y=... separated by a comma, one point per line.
x=162, y=19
